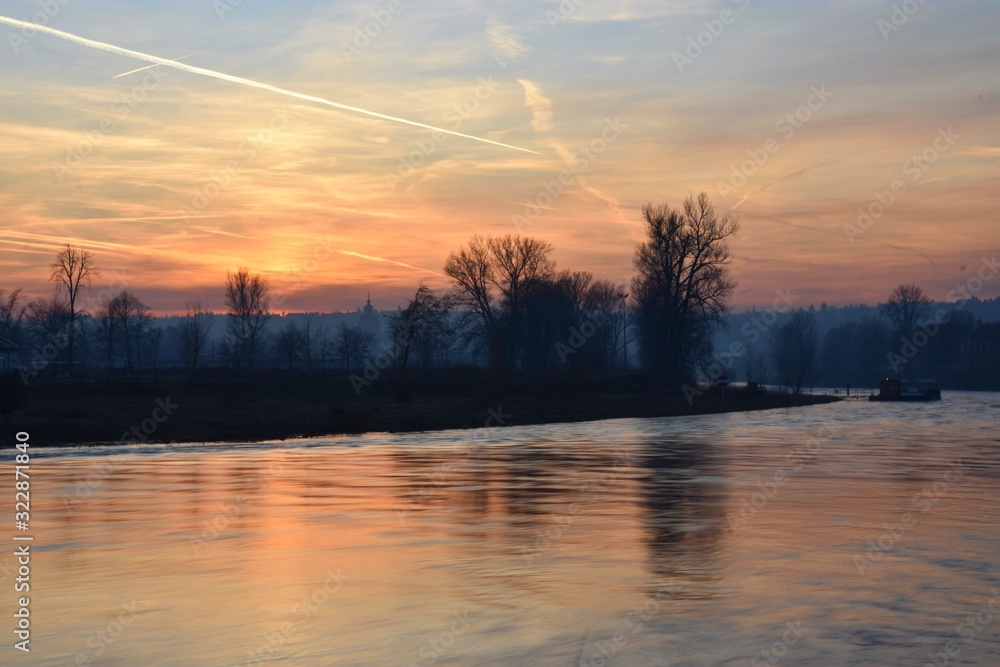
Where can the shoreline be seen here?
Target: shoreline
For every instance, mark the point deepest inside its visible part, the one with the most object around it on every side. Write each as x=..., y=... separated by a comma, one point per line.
x=75, y=414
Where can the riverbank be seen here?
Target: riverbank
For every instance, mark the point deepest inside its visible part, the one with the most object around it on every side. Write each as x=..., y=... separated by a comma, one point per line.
x=281, y=406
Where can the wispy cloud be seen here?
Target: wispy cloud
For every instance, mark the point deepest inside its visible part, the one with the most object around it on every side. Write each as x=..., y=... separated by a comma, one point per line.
x=505, y=44
x=539, y=105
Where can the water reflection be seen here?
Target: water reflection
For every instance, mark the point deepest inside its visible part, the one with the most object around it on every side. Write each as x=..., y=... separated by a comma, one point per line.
x=546, y=538
x=684, y=498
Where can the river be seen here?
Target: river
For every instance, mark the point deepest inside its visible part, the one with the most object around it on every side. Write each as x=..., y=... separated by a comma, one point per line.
x=852, y=533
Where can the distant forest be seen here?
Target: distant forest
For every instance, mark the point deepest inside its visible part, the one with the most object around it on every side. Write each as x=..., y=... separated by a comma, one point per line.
x=512, y=311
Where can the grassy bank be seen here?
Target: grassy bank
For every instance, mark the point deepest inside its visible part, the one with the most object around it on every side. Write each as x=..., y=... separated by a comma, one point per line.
x=278, y=405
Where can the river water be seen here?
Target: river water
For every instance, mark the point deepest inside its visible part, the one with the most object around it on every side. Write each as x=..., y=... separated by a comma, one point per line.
x=853, y=533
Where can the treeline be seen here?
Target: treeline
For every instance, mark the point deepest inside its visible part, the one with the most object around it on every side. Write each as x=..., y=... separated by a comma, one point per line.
x=908, y=337
x=508, y=309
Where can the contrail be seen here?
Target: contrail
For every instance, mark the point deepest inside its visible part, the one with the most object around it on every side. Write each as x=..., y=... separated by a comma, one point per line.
x=156, y=60
x=141, y=69
x=372, y=258
x=186, y=55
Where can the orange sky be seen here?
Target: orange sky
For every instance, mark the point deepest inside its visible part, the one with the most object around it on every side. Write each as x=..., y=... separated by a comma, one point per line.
x=333, y=203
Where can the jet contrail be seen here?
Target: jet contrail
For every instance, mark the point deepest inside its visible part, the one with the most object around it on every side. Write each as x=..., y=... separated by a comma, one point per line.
x=141, y=69
x=372, y=258
x=156, y=60
x=186, y=55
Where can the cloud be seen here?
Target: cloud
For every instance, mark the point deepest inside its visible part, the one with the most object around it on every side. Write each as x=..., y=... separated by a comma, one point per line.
x=539, y=105
x=506, y=46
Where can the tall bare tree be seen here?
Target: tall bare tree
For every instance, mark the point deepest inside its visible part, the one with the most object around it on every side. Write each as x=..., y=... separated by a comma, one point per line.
x=73, y=270
x=682, y=286
x=248, y=297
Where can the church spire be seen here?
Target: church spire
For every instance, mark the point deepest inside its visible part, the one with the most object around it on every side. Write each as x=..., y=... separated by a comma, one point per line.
x=369, y=298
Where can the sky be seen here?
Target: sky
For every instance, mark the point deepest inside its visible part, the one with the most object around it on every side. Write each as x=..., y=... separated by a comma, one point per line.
x=793, y=116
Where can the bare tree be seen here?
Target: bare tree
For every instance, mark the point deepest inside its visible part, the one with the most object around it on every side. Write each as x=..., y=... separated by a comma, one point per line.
x=606, y=304
x=125, y=322
x=73, y=270
x=422, y=328
x=492, y=278
x=905, y=307
x=48, y=325
x=794, y=346
x=352, y=344
x=682, y=284
x=291, y=346
x=195, y=328
x=12, y=312
x=249, y=301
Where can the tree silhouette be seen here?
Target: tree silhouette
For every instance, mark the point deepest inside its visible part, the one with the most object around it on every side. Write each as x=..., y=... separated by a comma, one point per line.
x=492, y=279
x=248, y=297
x=352, y=344
x=195, y=328
x=73, y=270
x=794, y=346
x=904, y=309
x=681, y=287
x=12, y=312
x=125, y=319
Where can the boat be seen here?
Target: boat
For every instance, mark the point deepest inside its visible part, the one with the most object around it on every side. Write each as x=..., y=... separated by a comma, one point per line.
x=892, y=389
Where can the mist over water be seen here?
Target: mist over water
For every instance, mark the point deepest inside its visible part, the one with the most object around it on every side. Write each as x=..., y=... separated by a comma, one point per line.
x=851, y=533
